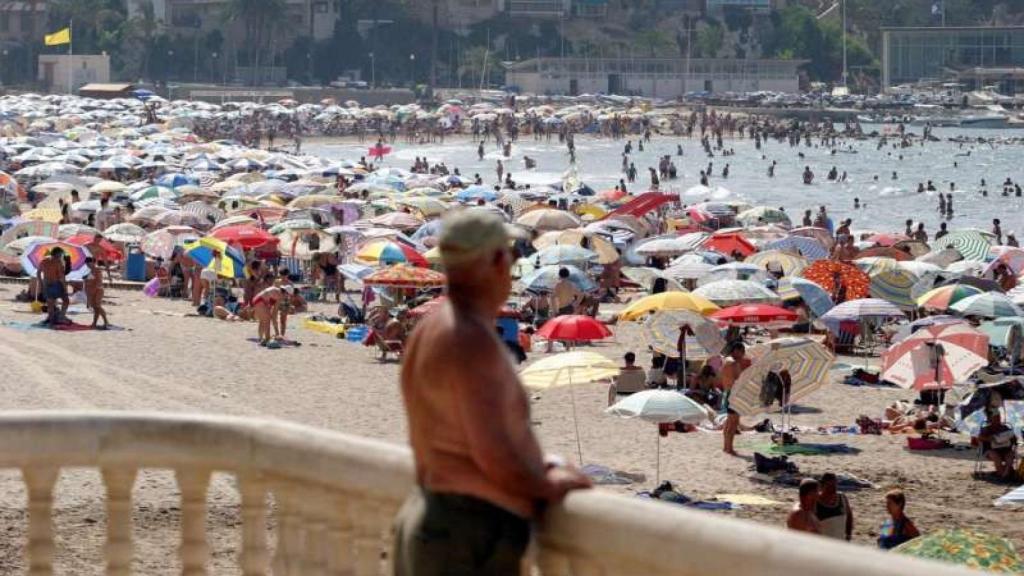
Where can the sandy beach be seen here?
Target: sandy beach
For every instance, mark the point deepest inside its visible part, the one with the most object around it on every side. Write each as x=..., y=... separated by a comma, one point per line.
x=167, y=361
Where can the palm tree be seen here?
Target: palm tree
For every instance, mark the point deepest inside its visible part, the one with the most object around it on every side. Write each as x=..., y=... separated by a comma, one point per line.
x=259, y=17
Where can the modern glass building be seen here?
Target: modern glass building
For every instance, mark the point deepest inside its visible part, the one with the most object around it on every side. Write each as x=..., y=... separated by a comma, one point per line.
x=973, y=55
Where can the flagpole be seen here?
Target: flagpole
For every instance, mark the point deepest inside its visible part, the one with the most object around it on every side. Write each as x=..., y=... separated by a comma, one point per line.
x=71, y=56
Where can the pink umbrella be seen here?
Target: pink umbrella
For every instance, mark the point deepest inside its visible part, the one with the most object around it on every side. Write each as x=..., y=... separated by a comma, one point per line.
x=936, y=357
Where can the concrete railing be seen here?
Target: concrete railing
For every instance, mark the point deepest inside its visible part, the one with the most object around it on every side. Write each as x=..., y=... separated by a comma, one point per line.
x=335, y=497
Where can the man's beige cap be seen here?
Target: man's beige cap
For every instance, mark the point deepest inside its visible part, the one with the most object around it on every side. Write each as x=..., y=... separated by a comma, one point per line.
x=469, y=234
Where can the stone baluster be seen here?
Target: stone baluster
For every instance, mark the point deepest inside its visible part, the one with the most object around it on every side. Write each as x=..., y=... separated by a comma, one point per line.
x=289, y=553
x=119, y=482
x=193, y=484
x=39, y=483
x=315, y=516
x=340, y=536
x=254, y=525
x=368, y=522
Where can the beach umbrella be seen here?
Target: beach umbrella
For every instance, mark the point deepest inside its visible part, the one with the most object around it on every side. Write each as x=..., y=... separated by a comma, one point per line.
x=809, y=248
x=967, y=268
x=764, y=315
x=8, y=185
x=548, y=219
x=1012, y=256
x=943, y=297
x=43, y=215
x=108, y=165
x=154, y=192
x=987, y=305
x=863, y=308
x=245, y=237
x=905, y=330
x=385, y=252
x=790, y=264
x=895, y=286
x=807, y=362
x=397, y=220
x=297, y=224
x=65, y=231
x=729, y=243
x=885, y=252
x=34, y=254
x=689, y=267
x=813, y=295
x=885, y=239
x=568, y=369
x=564, y=254
x=983, y=284
x=856, y=284
x=941, y=258
x=106, y=187
x=823, y=236
x=28, y=228
x=659, y=407
x=977, y=550
x=230, y=264
x=476, y=192
x=405, y=276
x=733, y=292
x=102, y=250
x=161, y=243
x=544, y=279
x=672, y=246
x=646, y=276
x=919, y=268
x=425, y=205
x=661, y=334
x=936, y=357
x=574, y=328
x=734, y=271
x=763, y=215
x=314, y=201
x=970, y=244
x=125, y=233
x=176, y=180
x=667, y=301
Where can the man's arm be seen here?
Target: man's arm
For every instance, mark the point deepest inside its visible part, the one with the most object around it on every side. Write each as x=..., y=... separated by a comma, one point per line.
x=849, y=518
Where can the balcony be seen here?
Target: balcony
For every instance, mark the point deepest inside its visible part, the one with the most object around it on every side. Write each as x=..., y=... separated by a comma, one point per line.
x=335, y=495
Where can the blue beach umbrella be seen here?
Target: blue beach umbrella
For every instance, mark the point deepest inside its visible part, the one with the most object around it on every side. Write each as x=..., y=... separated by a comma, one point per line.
x=544, y=279
x=173, y=180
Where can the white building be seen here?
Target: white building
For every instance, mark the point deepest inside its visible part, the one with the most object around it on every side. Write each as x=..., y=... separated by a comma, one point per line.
x=85, y=69
x=652, y=77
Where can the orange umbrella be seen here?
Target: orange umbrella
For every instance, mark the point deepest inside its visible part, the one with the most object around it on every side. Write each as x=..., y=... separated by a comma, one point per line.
x=730, y=242
x=854, y=284
x=405, y=276
x=885, y=252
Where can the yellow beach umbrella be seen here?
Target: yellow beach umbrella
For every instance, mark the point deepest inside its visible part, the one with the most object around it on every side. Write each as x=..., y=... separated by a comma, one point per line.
x=567, y=369
x=668, y=301
x=43, y=215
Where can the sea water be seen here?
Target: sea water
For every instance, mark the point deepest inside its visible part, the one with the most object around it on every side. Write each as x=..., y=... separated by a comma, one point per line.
x=886, y=202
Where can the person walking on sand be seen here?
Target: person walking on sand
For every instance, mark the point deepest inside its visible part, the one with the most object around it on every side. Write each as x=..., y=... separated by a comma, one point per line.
x=802, y=518
x=94, y=293
x=896, y=529
x=50, y=278
x=481, y=475
x=737, y=363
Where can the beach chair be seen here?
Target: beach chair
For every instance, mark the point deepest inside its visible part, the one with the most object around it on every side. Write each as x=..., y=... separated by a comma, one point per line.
x=630, y=381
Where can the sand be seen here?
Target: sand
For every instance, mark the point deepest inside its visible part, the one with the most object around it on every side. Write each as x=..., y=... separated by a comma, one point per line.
x=165, y=361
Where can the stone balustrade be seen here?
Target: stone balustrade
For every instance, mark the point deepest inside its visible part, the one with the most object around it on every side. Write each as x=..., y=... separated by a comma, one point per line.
x=335, y=496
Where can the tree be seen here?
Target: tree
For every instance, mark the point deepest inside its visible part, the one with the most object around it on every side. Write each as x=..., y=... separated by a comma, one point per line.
x=709, y=40
x=473, y=63
x=653, y=42
x=261, y=18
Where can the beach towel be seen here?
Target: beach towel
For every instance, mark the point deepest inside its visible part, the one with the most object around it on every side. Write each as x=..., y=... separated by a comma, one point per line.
x=1012, y=498
x=806, y=449
x=747, y=500
x=605, y=476
x=683, y=500
x=845, y=481
x=280, y=343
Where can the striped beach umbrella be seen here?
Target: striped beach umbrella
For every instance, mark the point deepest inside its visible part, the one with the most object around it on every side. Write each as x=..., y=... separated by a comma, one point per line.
x=217, y=255
x=672, y=246
x=971, y=244
x=124, y=232
x=806, y=361
x=733, y=292
x=895, y=286
x=763, y=215
x=564, y=254
x=34, y=254
x=789, y=263
x=385, y=252
x=987, y=305
x=689, y=267
x=809, y=248
x=28, y=228
x=871, y=265
x=863, y=308
x=936, y=357
x=661, y=333
x=543, y=279
x=943, y=297
x=814, y=296
x=977, y=550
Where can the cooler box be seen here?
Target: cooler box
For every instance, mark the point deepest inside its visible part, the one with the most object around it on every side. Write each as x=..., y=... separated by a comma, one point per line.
x=135, y=265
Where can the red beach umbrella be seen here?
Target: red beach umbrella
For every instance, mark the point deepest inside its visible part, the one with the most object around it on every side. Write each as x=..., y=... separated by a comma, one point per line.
x=247, y=237
x=573, y=327
x=755, y=315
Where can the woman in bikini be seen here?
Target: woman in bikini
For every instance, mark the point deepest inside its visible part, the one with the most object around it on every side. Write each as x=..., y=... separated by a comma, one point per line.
x=94, y=293
x=265, y=308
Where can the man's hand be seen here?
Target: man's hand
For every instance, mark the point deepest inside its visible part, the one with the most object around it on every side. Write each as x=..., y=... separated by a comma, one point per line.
x=563, y=479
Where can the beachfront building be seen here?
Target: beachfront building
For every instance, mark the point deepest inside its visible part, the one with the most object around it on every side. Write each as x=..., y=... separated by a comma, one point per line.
x=536, y=8
x=53, y=71
x=312, y=18
x=976, y=56
x=652, y=77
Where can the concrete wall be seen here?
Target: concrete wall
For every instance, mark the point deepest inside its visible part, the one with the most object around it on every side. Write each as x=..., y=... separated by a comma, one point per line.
x=644, y=85
x=87, y=68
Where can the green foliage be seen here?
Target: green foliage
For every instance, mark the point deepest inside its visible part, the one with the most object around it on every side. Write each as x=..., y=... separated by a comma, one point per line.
x=709, y=41
x=799, y=34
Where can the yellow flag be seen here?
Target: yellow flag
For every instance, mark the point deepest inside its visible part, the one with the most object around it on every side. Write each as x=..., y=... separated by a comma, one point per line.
x=59, y=37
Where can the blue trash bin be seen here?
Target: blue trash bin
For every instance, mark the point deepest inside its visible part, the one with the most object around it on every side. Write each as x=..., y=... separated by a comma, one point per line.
x=135, y=265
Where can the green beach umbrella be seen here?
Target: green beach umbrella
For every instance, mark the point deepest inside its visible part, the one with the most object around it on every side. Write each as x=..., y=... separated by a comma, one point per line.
x=971, y=244
x=976, y=550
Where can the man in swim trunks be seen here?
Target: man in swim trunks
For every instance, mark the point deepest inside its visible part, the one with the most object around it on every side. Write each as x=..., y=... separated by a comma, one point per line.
x=737, y=363
x=802, y=518
x=50, y=276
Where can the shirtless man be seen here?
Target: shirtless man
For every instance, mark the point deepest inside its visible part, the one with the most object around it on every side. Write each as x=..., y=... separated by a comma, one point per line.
x=481, y=475
x=565, y=295
x=737, y=363
x=802, y=518
x=50, y=278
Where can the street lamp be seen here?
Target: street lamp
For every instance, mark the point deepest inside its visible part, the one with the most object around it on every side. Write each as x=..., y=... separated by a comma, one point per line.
x=373, y=71
x=412, y=71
